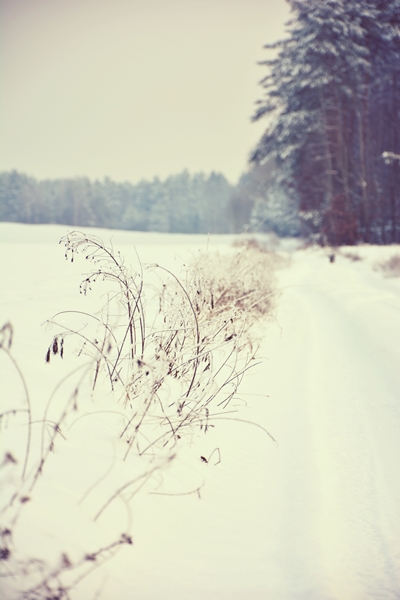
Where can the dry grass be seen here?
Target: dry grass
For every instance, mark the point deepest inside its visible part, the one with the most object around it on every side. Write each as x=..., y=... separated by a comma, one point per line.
x=353, y=256
x=390, y=267
x=266, y=243
x=238, y=288
x=166, y=354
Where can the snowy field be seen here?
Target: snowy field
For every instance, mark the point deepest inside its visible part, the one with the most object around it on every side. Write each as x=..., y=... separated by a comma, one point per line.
x=314, y=516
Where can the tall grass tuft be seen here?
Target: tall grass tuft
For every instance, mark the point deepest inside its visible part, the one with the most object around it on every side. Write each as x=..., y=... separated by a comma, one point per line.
x=162, y=359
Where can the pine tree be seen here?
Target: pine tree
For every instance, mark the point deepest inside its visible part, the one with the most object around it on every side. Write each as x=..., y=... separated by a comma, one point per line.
x=320, y=91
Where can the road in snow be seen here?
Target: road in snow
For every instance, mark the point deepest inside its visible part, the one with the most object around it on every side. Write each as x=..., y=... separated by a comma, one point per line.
x=334, y=383
x=315, y=516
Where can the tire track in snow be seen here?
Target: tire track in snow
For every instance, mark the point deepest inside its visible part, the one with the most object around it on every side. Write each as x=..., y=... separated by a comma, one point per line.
x=336, y=375
x=353, y=532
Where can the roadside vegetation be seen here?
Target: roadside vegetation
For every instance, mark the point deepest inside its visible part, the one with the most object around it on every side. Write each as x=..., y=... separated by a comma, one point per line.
x=390, y=267
x=153, y=368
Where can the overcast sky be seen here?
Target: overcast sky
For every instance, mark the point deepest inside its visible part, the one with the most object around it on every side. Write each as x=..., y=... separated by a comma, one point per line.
x=132, y=89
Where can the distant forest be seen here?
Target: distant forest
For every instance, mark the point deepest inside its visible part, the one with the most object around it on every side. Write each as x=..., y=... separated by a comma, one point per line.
x=182, y=203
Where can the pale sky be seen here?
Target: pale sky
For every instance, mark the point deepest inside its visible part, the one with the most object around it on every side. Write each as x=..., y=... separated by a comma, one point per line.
x=132, y=89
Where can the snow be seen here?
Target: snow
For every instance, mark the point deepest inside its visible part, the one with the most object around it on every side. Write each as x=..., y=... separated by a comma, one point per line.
x=313, y=516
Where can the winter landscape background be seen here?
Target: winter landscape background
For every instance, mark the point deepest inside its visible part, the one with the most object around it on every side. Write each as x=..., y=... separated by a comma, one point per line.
x=312, y=515
x=202, y=401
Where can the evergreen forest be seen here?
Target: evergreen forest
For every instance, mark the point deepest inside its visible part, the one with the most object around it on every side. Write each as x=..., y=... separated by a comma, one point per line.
x=332, y=97
x=182, y=203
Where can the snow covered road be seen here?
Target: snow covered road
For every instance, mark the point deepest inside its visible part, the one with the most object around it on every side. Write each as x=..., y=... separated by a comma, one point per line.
x=334, y=384
x=315, y=516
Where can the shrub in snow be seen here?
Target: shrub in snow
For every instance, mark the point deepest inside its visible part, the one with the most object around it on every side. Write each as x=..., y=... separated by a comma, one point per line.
x=353, y=256
x=390, y=267
x=157, y=364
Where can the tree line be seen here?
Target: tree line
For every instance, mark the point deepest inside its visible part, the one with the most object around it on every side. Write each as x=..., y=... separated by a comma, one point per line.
x=182, y=203
x=332, y=95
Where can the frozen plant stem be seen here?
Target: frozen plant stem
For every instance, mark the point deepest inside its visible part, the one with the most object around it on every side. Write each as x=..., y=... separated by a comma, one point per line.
x=173, y=369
